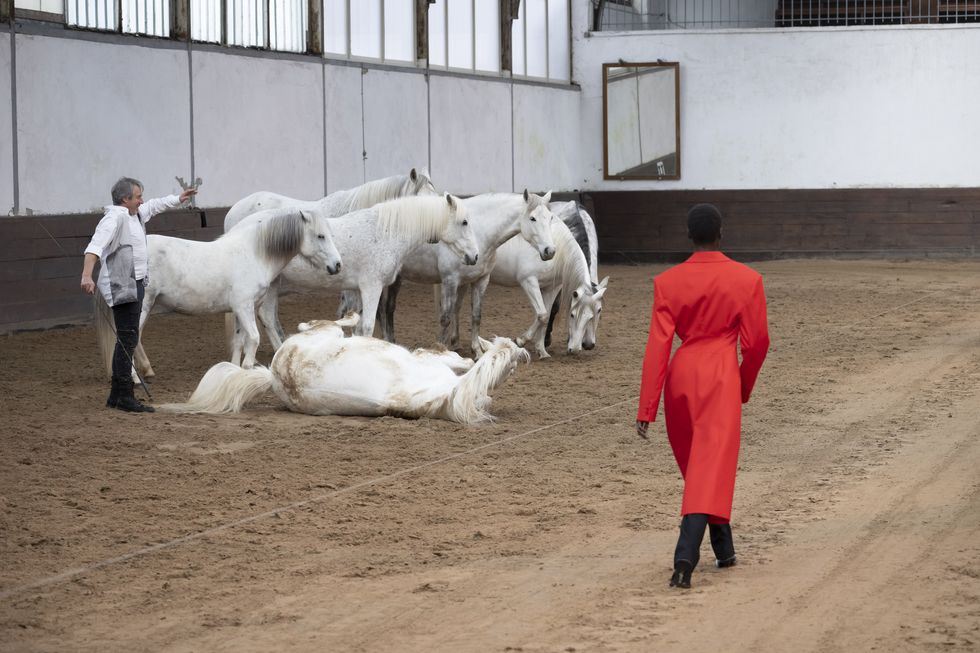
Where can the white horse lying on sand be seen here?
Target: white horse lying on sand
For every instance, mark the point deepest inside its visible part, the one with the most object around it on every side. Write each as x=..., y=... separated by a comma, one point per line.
x=229, y=274
x=339, y=203
x=318, y=371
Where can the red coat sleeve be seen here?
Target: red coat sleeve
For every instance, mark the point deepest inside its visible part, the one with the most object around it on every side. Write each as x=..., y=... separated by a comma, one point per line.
x=656, y=357
x=753, y=339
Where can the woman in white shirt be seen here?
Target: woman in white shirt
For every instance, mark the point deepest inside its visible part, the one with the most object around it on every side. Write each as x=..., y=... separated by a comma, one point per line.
x=119, y=242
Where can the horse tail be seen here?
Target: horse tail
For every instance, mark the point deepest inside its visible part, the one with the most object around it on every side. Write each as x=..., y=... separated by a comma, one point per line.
x=105, y=334
x=469, y=401
x=225, y=388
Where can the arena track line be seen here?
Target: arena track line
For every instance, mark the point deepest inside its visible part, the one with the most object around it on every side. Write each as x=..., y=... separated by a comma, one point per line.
x=78, y=571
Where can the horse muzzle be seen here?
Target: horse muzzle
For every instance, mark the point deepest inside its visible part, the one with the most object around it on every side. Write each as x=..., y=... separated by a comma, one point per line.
x=548, y=254
x=470, y=260
x=334, y=269
x=588, y=346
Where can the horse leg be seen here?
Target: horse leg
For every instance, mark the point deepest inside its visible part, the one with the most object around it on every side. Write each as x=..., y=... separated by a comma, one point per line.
x=457, y=305
x=370, y=297
x=549, y=297
x=446, y=310
x=477, y=291
x=386, y=309
x=140, y=361
x=268, y=315
x=245, y=316
x=551, y=320
x=533, y=291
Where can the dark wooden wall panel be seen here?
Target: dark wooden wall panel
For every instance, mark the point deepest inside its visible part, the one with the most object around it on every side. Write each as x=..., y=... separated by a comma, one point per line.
x=41, y=263
x=648, y=226
x=41, y=256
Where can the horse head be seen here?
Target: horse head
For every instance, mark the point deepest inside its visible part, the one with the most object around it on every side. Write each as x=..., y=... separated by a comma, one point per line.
x=458, y=234
x=583, y=316
x=419, y=183
x=318, y=246
x=536, y=224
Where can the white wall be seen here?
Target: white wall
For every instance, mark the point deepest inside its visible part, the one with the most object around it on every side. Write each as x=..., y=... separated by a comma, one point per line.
x=258, y=122
x=396, y=128
x=6, y=136
x=88, y=114
x=547, y=144
x=471, y=135
x=846, y=107
x=345, y=133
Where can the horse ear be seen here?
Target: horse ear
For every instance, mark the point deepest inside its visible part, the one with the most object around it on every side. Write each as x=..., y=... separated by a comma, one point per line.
x=527, y=196
x=599, y=293
x=451, y=200
x=305, y=216
x=604, y=282
x=414, y=176
x=547, y=197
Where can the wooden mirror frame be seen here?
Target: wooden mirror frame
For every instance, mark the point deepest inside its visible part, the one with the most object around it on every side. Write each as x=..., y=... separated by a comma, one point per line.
x=605, y=118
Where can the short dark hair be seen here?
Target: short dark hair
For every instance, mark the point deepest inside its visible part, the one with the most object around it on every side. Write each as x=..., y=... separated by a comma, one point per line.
x=704, y=224
x=123, y=189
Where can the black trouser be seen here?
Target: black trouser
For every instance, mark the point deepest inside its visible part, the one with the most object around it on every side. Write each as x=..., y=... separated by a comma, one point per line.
x=127, y=319
x=692, y=533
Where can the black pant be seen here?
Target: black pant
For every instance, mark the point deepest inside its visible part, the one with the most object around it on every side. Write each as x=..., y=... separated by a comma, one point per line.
x=127, y=319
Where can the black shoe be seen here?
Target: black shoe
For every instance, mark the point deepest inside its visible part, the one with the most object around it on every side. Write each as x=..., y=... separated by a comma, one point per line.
x=682, y=575
x=728, y=562
x=131, y=405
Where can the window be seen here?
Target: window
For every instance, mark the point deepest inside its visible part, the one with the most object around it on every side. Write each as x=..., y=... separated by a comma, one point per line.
x=382, y=30
x=540, y=37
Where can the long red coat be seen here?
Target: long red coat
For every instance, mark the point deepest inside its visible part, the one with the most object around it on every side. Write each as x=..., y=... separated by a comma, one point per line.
x=711, y=302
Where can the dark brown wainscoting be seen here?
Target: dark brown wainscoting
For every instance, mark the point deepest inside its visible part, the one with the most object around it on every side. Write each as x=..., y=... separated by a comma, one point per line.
x=647, y=226
x=41, y=263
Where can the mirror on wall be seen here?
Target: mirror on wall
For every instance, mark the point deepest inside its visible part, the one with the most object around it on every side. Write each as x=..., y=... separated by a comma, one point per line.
x=641, y=120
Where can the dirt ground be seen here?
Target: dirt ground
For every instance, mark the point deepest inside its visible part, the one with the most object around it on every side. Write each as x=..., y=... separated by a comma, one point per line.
x=857, y=509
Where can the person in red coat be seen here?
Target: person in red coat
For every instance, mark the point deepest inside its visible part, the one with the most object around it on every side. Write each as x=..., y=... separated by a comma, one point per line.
x=715, y=306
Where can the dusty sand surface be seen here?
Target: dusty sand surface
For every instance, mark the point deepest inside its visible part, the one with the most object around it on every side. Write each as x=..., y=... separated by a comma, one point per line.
x=857, y=510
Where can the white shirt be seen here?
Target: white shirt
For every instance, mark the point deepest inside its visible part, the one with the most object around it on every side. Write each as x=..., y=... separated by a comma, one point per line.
x=136, y=236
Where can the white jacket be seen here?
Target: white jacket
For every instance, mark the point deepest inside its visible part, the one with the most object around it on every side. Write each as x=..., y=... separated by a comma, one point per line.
x=136, y=236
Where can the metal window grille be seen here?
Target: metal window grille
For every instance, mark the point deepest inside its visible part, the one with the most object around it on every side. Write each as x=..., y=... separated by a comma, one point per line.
x=540, y=40
x=627, y=15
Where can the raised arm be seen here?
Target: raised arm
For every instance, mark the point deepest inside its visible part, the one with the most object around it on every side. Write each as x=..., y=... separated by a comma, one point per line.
x=655, y=359
x=150, y=208
x=753, y=339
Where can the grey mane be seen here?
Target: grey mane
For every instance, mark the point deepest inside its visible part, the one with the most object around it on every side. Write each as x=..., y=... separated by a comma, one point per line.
x=573, y=220
x=281, y=234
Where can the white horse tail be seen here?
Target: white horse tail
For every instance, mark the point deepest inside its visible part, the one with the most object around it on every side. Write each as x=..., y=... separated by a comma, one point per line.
x=469, y=401
x=105, y=332
x=225, y=388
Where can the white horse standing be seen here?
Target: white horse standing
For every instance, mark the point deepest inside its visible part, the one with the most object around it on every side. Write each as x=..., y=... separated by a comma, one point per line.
x=339, y=203
x=496, y=218
x=374, y=243
x=519, y=265
x=232, y=272
x=320, y=372
x=580, y=223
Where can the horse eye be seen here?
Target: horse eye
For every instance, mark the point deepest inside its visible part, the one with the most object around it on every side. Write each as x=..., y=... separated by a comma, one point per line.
x=533, y=219
x=465, y=222
x=321, y=237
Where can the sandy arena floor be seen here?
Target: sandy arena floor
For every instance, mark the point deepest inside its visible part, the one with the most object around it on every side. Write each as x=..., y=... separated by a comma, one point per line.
x=857, y=511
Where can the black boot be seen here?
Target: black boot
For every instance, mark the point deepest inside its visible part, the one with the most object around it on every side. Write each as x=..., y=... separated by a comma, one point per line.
x=722, y=544
x=113, y=395
x=688, y=551
x=125, y=400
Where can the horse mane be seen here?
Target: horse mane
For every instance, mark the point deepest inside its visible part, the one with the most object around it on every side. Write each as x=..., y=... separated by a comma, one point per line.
x=571, y=268
x=571, y=216
x=375, y=192
x=280, y=236
x=420, y=219
x=592, y=256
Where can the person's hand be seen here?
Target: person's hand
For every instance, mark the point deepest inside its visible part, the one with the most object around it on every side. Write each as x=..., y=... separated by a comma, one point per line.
x=641, y=428
x=88, y=285
x=187, y=194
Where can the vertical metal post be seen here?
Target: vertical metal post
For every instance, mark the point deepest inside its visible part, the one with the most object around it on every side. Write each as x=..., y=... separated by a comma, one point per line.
x=506, y=27
x=422, y=32
x=381, y=26
x=180, y=19
x=314, y=27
